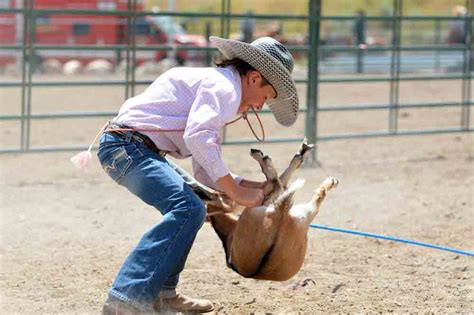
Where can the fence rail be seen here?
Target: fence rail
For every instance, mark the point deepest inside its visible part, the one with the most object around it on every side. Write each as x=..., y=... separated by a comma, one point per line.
x=313, y=50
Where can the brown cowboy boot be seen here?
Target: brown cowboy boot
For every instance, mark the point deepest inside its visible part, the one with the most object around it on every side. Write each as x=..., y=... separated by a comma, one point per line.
x=183, y=304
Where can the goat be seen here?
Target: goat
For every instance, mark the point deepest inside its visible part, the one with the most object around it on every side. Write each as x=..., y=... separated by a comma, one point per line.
x=269, y=242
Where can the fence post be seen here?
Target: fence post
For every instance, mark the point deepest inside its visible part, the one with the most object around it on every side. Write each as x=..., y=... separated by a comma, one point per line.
x=127, y=53
x=225, y=19
x=225, y=31
x=27, y=72
x=134, y=44
x=229, y=11
x=360, y=38
x=131, y=56
x=360, y=59
x=23, y=77
x=311, y=130
x=437, y=30
x=208, y=52
x=395, y=66
x=467, y=67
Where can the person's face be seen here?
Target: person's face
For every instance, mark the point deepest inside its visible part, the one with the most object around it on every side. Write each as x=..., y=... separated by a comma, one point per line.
x=255, y=92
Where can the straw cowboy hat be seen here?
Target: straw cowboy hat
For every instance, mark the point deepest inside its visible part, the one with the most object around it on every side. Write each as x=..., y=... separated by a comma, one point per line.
x=275, y=63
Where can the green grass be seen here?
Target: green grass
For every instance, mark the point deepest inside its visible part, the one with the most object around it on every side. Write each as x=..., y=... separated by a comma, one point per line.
x=329, y=8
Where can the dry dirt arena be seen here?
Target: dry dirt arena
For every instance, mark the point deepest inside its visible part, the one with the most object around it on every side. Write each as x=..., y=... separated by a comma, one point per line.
x=65, y=233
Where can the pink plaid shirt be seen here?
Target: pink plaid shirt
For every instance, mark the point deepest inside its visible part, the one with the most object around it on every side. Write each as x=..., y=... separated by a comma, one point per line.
x=197, y=101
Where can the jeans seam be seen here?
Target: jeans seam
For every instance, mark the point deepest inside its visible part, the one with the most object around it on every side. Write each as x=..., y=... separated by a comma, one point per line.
x=127, y=300
x=120, y=296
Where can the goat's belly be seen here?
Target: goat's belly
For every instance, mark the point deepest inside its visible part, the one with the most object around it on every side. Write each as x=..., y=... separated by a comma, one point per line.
x=288, y=253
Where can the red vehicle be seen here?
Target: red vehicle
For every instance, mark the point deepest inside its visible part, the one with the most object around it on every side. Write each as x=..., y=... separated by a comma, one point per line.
x=77, y=29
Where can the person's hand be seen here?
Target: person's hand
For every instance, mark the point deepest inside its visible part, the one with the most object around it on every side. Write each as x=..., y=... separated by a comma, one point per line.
x=248, y=197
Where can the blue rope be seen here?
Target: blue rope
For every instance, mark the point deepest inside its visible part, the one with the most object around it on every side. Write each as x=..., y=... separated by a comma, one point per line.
x=390, y=238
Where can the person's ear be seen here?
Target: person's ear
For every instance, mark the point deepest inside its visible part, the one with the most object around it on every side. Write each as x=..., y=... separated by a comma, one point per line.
x=254, y=77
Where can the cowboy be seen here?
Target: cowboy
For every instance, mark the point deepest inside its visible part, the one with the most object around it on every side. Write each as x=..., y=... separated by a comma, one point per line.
x=181, y=114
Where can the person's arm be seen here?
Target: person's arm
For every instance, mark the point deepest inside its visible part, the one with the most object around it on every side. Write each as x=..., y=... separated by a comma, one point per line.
x=249, y=197
x=206, y=119
x=214, y=104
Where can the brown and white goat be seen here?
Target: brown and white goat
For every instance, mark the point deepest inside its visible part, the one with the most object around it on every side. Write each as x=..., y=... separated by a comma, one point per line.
x=269, y=242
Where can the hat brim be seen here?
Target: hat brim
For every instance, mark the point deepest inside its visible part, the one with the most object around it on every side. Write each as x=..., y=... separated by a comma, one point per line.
x=285, y=106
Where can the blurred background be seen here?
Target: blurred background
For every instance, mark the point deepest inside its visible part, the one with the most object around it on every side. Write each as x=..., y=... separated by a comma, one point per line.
x=361, y=22
x=400, y=54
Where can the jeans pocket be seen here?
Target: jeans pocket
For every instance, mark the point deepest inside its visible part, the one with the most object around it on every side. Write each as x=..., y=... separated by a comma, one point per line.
x=118, y=164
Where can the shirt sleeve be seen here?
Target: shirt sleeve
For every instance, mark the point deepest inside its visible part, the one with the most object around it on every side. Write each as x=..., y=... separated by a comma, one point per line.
x=201, y=176
x=202, y=132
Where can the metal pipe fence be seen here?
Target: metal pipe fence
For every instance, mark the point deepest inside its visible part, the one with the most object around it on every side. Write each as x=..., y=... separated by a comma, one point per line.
x=314, y=50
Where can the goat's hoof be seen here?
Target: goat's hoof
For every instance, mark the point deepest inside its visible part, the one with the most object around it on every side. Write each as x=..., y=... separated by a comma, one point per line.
x=330, y=183
x=305, y=149
x=259, y=156
x=256, y=154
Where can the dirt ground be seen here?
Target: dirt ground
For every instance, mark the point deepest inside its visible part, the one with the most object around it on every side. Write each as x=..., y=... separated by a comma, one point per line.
x=65, y=233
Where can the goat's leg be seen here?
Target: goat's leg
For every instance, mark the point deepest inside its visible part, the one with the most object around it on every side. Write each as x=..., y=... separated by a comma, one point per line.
x=273, y=186
x=319, y=196
x=203, y=192
x=265, y=163
x=224, y=224
x=296, y=162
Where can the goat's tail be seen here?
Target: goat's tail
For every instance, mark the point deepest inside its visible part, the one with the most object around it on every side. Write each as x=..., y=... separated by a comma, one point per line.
x=285, y=200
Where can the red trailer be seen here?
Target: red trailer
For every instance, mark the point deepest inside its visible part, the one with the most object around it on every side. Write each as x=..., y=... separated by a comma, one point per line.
x=77, y=29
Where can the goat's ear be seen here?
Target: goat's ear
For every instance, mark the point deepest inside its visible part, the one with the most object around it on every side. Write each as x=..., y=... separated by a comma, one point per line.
x=221, y=203
x=212, y=208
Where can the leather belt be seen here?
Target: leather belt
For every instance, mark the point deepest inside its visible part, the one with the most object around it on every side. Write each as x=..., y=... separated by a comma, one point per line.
x=136, y=136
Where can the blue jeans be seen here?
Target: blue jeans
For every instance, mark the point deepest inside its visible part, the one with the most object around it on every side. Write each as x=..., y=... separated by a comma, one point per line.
x=156, y=262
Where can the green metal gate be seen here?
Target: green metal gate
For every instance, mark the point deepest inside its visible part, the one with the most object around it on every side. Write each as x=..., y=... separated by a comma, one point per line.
x=27, y=49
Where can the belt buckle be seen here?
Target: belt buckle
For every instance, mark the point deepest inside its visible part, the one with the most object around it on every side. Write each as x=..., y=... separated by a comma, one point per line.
x=162, y=153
